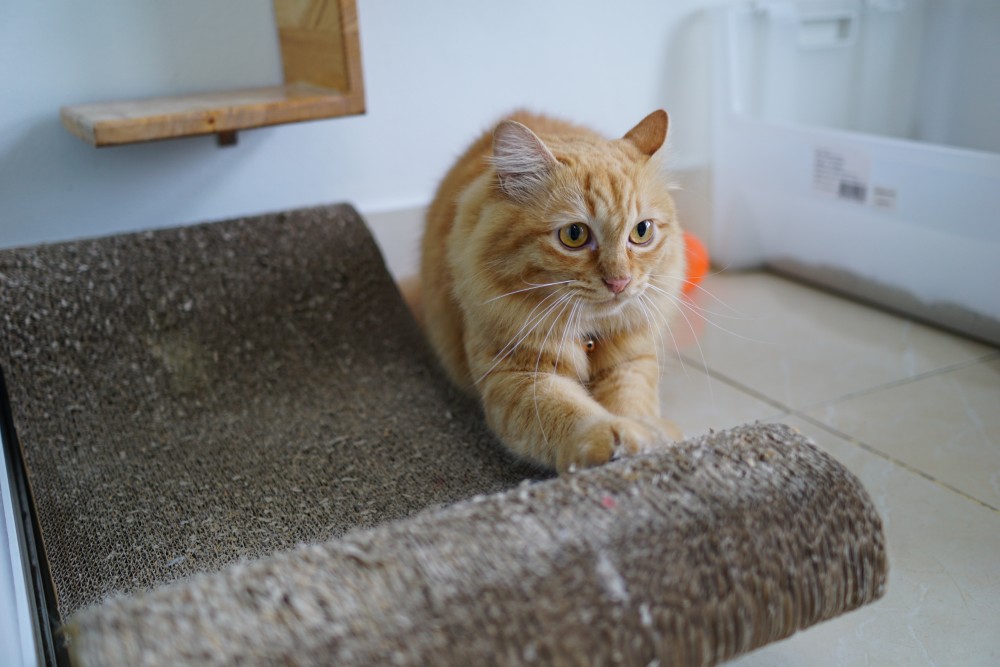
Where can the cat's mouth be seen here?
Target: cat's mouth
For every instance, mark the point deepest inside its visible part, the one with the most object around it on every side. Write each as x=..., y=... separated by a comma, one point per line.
x=627, y=294
x=601, y=301
x=610, y=304
x=604, y=303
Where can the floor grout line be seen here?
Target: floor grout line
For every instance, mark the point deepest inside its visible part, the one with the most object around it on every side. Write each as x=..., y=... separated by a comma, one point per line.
x=902, y=381
x=736, y=384
x=891, y=459
x=800, y=412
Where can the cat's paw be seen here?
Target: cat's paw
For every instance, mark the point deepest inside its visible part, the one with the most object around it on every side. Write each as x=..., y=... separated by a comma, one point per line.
x=610, y=438
x=667, y=432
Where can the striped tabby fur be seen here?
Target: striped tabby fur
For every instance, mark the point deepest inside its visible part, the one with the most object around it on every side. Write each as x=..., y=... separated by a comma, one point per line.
x=560, y=344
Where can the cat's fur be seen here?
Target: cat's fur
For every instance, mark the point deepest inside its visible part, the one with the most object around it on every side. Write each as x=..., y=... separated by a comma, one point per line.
x=492, y=239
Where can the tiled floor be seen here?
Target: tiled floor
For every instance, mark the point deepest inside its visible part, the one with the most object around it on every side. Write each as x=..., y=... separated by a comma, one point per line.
x=913, y=411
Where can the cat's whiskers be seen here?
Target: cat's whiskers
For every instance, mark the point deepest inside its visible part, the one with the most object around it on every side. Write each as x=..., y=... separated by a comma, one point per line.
x=662, y=278
x=541, y=350
x=651, y=303
x=700, y=312
x=515, y=341
x=680, y=357
x=679, y=301
x=570, y=326
x=531, y=323
x=665, y=319
x=532, y=286
x=528, y=320
x=644, y=309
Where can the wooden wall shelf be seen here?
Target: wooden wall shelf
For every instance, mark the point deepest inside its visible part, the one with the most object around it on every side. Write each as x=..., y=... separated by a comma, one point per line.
x=321, y=58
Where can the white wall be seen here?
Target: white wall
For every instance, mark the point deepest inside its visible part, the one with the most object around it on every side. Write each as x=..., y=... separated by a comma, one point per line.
x=436, y=74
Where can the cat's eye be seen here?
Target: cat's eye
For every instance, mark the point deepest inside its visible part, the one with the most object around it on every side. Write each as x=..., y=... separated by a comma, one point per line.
x=574, y=235
x=642, y=233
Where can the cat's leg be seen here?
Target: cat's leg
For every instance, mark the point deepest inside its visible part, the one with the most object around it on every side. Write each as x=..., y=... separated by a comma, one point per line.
x=552, y=419
x=625, y=379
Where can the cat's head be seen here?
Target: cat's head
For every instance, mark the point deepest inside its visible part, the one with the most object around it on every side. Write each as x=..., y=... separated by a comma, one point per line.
x=590, y=216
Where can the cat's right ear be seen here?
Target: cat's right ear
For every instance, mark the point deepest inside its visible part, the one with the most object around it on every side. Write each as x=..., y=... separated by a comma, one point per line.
x=522, y=162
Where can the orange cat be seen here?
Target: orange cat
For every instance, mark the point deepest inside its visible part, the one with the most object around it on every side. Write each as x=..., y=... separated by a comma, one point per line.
x=550, y=260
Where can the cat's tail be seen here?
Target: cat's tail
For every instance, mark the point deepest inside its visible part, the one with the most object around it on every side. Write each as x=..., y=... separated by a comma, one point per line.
x=409, y=287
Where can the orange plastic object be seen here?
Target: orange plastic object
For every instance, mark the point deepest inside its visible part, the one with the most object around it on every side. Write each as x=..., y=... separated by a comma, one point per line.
x=697, y=261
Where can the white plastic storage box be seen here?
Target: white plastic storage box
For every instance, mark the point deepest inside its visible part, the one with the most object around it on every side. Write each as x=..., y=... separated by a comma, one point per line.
x=857, y=144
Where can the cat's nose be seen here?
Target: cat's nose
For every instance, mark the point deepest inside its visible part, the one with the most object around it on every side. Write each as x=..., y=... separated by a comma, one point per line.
x=617, y=285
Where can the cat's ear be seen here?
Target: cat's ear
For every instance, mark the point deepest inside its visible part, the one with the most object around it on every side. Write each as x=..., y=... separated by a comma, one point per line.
x=650, y=133
x=521, y=160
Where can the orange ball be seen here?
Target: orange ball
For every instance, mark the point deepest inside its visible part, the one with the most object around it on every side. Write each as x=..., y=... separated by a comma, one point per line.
x=697, y=261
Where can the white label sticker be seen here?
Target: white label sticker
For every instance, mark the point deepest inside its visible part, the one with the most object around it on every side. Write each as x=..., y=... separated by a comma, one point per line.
x=841, y=173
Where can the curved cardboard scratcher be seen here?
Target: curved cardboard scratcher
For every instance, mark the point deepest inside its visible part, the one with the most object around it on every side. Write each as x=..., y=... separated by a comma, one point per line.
x=688, y=557
x=191, y=404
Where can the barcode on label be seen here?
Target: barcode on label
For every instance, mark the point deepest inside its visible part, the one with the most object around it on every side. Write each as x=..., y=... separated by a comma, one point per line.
x=852, y=191
x=841, y=172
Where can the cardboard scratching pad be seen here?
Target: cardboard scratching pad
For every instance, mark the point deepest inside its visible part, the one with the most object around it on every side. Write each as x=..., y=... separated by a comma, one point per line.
x=190, y=404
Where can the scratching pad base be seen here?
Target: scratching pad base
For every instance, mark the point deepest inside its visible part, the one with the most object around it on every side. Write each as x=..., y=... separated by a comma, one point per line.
x=190, y=397
x=191, y=404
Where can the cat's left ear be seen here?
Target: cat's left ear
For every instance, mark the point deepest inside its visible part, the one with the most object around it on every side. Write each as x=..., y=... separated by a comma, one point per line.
x=522, y=161
x=650, y=133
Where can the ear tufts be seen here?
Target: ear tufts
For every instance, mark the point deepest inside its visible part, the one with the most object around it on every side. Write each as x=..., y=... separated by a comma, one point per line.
x=522, y=161
x=650, y=133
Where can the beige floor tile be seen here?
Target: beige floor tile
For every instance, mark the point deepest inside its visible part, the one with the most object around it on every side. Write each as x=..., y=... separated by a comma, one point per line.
x=696, y=402
x=801, y=346
x=942, y=606
x=946, y=425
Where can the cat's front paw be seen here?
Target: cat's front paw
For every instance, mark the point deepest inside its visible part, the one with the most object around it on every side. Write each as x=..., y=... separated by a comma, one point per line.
x=667, y=431
x=611, y=438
